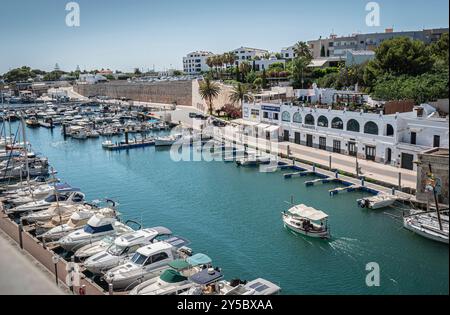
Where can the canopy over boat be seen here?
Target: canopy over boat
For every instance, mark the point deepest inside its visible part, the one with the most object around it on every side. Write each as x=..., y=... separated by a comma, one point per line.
x=172, y=276
x=196, y=260
x=308, y=213
x=206, y=276
x=64, y=187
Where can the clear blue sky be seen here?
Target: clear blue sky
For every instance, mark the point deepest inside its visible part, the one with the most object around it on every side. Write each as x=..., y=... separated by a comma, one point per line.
x=136, y=33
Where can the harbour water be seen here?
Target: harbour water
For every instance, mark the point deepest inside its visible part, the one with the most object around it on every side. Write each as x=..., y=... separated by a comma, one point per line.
x=234, y=215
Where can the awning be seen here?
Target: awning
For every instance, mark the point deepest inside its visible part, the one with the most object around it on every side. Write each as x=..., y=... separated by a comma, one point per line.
x=416, y=130
x=262, y=126
x=199, y=259
x=273, y=128
x=244, y=122
x=308, y=213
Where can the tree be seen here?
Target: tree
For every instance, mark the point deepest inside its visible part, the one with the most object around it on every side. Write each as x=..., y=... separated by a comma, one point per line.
x=209, y=91
x=298, y=69
x=400, y=56
x=244, y=68
x=19, y=74
x=440, y=50
x=301, y=49
x=240, y=94
x=137, y=71
x=322, y=51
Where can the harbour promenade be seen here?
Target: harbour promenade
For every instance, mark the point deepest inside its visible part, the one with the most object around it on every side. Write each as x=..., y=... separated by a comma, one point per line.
x=25, y=275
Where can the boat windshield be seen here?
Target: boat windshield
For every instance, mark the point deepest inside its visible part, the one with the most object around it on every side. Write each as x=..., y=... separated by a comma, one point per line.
x=101, y=229
x=116, y=250
x=139, y=259
x=52, y=198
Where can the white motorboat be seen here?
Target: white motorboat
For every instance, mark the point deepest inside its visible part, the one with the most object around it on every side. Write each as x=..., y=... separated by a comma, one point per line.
x=94, y=248
x=41, y=192
x=307, y=221
x=427, y=225
x=65, y=198
x=377, y=202
x=167, y=141
x=174, y=280
x=56, y=210
x=76, y=221
x=98, y=227
x=148, y=262
x=208, y=282
x=36, y=182
x=123, y=248
x=253, y=160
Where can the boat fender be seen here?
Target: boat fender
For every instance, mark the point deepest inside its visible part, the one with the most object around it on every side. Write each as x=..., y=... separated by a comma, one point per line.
x=82, y=290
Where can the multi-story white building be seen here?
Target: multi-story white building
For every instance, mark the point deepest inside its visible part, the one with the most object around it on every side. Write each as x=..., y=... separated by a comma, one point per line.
x=288, y=53
x=264, y=64
x=390, y=139
x=195, y=62
x=245, y=54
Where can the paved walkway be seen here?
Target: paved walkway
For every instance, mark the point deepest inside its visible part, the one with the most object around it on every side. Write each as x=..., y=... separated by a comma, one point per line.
x=386, y=174
x=20, y=274
x=370, y=169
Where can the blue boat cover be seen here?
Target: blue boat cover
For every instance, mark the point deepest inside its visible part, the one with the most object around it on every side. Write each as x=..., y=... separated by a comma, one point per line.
x=206, y=277
x=198, y=259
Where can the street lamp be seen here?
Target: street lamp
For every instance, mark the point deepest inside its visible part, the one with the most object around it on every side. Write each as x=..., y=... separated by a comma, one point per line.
x=55, y=260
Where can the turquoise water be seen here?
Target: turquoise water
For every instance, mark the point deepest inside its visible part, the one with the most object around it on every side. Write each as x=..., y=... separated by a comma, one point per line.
x=234, y=215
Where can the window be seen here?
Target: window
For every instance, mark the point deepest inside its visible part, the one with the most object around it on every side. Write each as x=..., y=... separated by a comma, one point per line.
x=297, y=118
x=138, y=259
x=265, y=115
x=389, y=131
x=371, y=128
x=437, y=142
x=100, y=229
x=276, y=116
x=337, y=123
x=159, y=257
x=309, y=120
x=353, y=126
x=255, y=112
x=286, y=117
x=322, y=122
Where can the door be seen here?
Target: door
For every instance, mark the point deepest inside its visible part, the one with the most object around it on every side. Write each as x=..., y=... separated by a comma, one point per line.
x=309, y=141
x=407, y=161
x=286, y=135
x=413, y=138
x=323, y=143
x=371, y=153
x=389, y=156
x=437, y=142
x=352, y=151
x=297, y=138
x=336, y=146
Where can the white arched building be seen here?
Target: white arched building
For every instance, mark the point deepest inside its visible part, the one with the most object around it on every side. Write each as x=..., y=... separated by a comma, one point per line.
x=390, y=139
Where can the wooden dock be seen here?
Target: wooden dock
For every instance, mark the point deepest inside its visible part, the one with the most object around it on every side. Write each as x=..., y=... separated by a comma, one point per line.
x=323, y=181
x=351, y=188
x=299, y=174
x=129, y=145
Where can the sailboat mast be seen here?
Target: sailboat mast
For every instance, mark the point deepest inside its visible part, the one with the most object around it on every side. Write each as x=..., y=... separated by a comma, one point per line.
x=26, y=149
x=436, y=201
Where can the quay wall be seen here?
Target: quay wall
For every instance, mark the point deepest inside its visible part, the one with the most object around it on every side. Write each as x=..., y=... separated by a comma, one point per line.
x=36, y=249
x=179, y=92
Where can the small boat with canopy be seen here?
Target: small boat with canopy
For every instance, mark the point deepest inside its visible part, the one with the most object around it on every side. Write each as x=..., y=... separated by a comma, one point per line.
x=307, y=221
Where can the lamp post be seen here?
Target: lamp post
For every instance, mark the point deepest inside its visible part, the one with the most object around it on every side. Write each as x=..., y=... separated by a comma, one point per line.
x=55, y=260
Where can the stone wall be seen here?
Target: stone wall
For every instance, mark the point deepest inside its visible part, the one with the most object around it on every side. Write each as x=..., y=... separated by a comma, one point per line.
x=219, y=102
x=439, y=160
x=179, y=92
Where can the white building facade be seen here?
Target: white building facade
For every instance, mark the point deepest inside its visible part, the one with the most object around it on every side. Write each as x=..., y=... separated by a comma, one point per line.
x=390, y=139
x=246, y=54
x=195, y=62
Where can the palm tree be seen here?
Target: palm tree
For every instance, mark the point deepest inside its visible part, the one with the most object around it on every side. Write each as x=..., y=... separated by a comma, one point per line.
x=208, y=91
x=240, y=93
x=245, y=68
x=301, y=49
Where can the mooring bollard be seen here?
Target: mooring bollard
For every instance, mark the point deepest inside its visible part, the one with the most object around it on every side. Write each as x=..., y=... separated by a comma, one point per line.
x=20, y=235
x=110, y=289
x=393, y=191
x=330, y=162
x=400, y=181
x=55, y=260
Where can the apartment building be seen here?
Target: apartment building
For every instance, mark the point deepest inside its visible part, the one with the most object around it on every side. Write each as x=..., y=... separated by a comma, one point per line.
x=195, y=62
x=246, y=54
